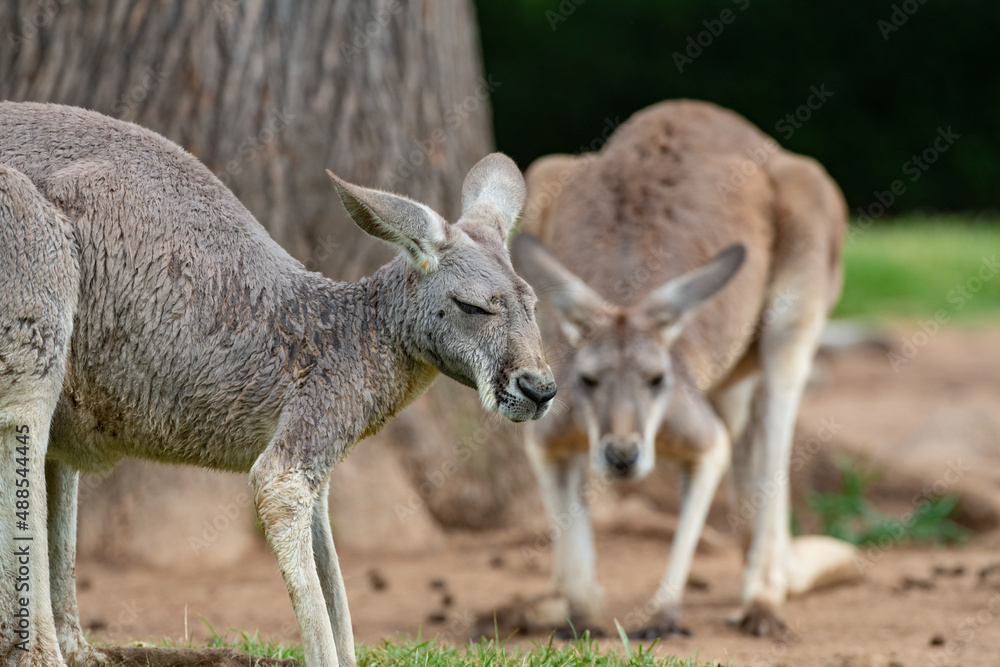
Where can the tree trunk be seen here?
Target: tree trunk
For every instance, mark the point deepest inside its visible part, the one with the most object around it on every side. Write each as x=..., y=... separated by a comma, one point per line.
x=270, y=94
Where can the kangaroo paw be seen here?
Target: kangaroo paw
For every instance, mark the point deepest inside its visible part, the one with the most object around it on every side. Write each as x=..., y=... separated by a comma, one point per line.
x=762, y=620
x=664, y=625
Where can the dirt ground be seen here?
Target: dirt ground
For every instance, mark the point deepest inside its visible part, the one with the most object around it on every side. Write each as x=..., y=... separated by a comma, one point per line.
x=916, y=606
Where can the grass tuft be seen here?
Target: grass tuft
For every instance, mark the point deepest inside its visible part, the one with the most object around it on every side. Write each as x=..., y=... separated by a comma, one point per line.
x=850, y=516
x=583, y=652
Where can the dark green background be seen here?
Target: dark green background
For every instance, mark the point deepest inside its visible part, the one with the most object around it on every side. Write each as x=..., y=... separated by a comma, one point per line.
x=610, y=58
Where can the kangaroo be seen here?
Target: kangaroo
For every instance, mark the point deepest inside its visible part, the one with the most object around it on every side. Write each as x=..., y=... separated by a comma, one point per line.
x=687, y=270
x=146, y=313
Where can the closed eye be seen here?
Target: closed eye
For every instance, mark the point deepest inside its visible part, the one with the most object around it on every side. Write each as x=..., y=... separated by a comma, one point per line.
x=470, y=308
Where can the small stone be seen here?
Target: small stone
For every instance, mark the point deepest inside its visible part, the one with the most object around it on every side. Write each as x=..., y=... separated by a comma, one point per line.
x=911, y=583
x=697, y=584
x=377, y=581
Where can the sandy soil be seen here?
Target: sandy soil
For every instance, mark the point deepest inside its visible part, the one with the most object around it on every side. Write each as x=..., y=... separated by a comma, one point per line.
x=936, y=606
x=910, y=601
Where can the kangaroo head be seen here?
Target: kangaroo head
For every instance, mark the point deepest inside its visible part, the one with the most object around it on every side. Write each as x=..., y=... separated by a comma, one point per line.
x=466, y=312
x=618, y=368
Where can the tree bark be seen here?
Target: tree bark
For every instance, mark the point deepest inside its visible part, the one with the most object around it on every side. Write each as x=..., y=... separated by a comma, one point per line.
x=269, y=94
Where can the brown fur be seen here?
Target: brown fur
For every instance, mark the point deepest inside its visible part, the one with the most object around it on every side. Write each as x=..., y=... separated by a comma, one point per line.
x=655, y=186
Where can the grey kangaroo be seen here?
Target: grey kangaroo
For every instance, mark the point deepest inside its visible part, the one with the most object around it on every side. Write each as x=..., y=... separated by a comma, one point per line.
x=690, y=266
x=146, y=313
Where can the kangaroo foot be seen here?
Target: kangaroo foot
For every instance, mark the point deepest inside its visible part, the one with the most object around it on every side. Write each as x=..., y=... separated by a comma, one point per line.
x=762, y=620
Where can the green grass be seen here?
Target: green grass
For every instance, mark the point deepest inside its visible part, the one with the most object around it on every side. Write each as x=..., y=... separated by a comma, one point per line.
x=485, y=653
x=850, y=516
x=488, y=653
x=910, y=268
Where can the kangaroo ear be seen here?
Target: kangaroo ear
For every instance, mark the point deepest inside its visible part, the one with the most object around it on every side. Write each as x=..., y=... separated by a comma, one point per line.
x=494, y=189
x=579, y=308
x=672, y=305
x=406, y=224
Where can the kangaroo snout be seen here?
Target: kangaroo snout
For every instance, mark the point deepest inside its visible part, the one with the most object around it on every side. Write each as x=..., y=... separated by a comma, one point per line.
x=540, y=391
x=539, y=387
x=621, y=454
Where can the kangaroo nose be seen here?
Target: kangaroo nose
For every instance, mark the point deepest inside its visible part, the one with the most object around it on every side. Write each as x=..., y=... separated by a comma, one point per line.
x=621, y=458
x=546, y=392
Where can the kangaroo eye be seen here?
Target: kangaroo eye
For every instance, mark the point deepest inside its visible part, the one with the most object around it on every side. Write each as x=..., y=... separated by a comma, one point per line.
x=470, y=309
x=588, y=382
x=656, y=381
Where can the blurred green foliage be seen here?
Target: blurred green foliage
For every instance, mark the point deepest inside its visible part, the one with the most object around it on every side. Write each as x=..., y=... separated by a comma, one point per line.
x=850, y=516
x=566, y=67
x=917, y=267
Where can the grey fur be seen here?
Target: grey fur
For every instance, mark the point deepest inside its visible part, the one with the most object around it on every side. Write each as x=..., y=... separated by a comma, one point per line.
x=198, y=340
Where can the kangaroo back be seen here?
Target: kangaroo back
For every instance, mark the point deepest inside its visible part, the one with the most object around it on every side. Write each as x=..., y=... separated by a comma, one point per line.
x=180, y=289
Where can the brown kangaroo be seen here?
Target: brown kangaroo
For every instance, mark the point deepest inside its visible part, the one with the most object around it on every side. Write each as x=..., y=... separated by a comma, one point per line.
x=688, y=269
